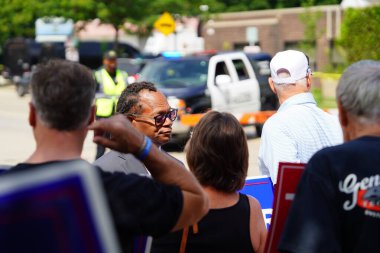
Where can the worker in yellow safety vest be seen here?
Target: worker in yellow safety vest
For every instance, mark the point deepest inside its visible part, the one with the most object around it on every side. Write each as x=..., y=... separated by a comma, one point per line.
x=110, y=84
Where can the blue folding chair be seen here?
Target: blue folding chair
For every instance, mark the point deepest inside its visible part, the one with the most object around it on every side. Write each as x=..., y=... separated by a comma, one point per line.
x=262, y=189
x=55, y=208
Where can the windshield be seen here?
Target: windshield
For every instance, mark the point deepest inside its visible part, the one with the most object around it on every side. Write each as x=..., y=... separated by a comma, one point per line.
x=132, y=67
x=184, y=73
x=261, y=67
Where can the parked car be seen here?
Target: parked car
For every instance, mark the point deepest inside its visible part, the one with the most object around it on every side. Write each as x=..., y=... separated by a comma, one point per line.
x=133, y=67
x=22, y=54
x=16, y=54
x=195, y=84
x=19, y=57
x=91, y=52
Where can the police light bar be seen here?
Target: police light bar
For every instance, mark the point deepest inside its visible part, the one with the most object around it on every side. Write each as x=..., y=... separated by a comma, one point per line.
x=171, y=54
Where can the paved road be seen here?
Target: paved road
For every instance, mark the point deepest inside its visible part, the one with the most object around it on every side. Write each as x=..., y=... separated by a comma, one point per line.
x=16, y=137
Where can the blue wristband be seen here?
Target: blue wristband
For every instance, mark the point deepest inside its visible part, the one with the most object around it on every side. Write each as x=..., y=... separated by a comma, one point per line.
x=145, y=151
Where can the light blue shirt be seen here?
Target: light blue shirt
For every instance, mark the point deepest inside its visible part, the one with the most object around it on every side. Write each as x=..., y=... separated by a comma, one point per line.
x=297, y=131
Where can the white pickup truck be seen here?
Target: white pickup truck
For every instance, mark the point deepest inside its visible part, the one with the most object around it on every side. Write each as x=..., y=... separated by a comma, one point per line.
x=195, y=84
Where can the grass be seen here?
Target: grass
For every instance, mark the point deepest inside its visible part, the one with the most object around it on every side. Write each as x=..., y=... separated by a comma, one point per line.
x=321, y=101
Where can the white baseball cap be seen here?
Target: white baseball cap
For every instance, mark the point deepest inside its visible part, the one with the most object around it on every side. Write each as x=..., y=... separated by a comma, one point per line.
x=291, y=62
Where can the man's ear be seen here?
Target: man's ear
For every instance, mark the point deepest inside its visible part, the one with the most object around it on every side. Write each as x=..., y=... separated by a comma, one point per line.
x=345, y=122
x=132, y=120
x=92, y=115
x=271, y=85
x=343, y=117
x=308, y=81
x=32, y=115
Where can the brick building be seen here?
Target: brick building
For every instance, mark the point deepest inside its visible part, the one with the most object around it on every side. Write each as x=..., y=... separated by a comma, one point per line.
x=279, y=29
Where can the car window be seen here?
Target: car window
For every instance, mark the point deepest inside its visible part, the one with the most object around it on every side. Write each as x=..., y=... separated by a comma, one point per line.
x=240, y=69
x=221, y=69
x=131, y=66
x=176, y=73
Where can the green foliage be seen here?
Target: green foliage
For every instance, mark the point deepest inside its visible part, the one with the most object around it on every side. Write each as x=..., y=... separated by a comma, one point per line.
x=360, y=34
x=116, y=12
x=17, y=17
x=299, y=3
x=326, y=2
x=245, y=5
x=259, y=5
x=288, y=3
x=12, y=25
x=74, y=9
x=309, y=19
x=323, y=102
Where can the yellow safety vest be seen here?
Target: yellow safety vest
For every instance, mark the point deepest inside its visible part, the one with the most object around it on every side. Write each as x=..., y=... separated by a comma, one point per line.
x=106, y=105
x=107, y=83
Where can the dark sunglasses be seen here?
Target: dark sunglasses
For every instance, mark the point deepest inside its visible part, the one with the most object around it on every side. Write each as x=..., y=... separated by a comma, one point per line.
x=159, y=120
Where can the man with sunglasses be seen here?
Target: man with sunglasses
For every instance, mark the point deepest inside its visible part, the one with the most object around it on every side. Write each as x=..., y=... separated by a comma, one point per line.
x=150, y=113
x=61, y=113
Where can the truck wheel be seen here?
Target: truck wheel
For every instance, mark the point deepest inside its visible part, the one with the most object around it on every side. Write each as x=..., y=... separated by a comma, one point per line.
x=259, y=129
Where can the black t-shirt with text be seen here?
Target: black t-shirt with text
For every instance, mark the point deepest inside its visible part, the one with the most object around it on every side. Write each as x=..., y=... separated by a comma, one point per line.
x=337, y=204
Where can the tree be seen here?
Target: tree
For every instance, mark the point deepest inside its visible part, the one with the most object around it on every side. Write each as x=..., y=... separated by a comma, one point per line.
x=74, y=9
x=12, y=25
x=260, y=5
x=144, y=12
x=360, y=34
x=311, y=33
x=298, y=3
x=18, y=16
x=117, y=12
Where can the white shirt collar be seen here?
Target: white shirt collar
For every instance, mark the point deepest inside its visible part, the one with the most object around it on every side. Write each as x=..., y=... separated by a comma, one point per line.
x=302, y=98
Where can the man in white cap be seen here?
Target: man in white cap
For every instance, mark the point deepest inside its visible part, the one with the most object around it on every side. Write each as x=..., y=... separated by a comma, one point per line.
x=299, y=128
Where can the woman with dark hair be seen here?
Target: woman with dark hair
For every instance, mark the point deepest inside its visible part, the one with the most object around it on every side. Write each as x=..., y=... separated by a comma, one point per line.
x=217, y=154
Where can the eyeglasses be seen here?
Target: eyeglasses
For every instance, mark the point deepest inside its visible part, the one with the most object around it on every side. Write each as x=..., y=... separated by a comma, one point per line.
x=160, y=119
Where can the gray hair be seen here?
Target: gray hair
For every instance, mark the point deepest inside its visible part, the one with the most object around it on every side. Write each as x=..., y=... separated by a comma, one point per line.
x=285, y=86
x=359, y=91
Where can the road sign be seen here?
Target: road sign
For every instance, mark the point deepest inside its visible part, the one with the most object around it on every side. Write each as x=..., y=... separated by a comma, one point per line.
x=165, y=24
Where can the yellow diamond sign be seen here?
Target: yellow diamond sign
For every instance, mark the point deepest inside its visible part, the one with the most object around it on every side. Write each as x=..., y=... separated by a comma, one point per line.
x=165, y=24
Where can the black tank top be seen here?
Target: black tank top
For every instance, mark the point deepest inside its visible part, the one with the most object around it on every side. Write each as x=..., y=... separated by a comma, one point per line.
x=224, y=230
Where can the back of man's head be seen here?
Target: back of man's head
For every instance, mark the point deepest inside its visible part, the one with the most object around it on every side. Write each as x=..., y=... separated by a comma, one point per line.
x=288, y=67
x=129, y=98
x=359, y=91
x=62, y=93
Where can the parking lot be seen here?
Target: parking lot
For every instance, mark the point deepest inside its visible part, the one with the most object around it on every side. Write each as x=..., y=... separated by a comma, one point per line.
x=16, y=136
